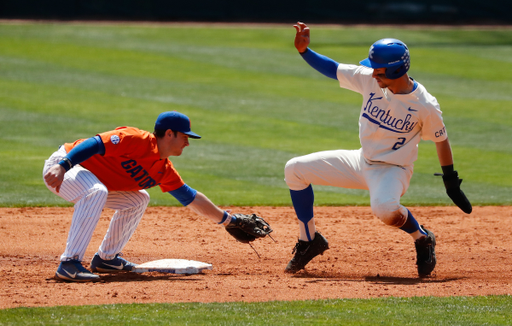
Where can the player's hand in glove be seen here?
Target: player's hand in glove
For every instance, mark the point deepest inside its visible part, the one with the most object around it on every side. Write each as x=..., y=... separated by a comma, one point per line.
x=452, y=184
x=246, y=228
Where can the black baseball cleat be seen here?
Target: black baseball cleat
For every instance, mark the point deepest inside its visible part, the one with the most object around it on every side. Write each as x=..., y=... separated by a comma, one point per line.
x=115, y=265
x=305, y=251
x=426, y=253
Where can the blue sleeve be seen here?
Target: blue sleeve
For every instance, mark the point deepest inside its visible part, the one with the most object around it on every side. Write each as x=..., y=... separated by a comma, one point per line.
x=184, y=194
x=321, y=63
x=83, y=151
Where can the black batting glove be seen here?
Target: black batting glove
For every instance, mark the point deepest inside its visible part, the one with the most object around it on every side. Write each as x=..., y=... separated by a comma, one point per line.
x=452, y=184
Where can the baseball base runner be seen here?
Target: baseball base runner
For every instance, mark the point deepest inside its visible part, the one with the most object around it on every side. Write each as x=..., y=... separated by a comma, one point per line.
x=396, y=113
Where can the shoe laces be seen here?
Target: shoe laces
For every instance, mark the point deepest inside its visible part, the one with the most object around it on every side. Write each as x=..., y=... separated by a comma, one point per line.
x=424, y=242
x=298, y=246
x=119, y=256
x=81, y=268
x=423, y=247
x=78, y=265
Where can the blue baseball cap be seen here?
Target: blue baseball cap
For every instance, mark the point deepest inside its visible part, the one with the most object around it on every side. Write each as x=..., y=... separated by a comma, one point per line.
x=175, y=121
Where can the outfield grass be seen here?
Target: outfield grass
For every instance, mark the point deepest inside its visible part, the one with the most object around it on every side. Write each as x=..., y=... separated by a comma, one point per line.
x=421, y=311
x=257, y=104
x=252, y=98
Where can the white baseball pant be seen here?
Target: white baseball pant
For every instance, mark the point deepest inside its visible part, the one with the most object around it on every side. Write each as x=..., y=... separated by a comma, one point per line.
x=348, y=169
x=90, y=196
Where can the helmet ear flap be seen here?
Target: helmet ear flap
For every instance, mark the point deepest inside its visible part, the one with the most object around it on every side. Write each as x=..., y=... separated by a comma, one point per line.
x=395, y=72
x=400, y=69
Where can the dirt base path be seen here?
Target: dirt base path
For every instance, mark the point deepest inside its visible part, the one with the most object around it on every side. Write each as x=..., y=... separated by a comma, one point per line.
x=366, y=258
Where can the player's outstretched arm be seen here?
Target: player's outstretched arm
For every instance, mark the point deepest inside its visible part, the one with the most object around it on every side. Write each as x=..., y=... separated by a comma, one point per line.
x=244, y=228
x=321, y=63
x=302, y=38
x=204, y=206
x=451, y=178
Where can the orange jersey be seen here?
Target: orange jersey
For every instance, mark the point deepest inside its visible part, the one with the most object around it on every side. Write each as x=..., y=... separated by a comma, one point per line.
x=131, y=162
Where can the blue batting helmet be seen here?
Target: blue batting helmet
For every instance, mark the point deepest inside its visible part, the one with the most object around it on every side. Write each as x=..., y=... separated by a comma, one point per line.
x=391, y=54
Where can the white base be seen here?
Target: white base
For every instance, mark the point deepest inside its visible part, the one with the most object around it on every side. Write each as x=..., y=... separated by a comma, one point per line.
x=175, y=266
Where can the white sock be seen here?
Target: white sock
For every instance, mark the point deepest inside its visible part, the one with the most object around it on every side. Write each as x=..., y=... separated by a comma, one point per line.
x=309, y=234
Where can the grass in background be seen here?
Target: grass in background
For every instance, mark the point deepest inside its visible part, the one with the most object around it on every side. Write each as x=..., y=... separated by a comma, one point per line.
x=252, y=98
x=491, y=310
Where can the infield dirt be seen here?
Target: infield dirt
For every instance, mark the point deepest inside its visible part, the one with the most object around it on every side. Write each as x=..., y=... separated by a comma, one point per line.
x=366, y=258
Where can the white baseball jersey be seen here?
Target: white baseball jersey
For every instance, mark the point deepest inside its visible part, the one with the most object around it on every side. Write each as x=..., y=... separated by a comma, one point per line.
x=391, y=125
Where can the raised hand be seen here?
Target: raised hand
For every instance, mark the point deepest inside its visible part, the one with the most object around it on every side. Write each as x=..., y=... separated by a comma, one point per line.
x=302, y=37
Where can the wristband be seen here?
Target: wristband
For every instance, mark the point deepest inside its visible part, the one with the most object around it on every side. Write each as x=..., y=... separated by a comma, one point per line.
x=224, y=217
x=66, y=164
x=447, y=169
x=227, y=218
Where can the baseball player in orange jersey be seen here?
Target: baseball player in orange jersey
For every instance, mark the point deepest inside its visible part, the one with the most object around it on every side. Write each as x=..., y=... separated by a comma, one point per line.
x=397, y=112
x=112, y=170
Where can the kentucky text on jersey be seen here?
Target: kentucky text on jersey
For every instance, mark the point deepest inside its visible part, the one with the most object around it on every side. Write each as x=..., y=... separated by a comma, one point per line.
x=138, y=173
x=382, y=118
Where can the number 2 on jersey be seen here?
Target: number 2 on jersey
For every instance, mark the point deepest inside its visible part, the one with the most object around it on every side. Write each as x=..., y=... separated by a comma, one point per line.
x=399, y=143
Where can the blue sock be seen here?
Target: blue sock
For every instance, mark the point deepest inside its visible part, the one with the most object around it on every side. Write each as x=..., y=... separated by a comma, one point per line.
x=411, y=225
x=303, y=204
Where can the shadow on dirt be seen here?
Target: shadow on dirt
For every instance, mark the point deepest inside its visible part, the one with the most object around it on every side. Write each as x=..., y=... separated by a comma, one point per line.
x=137, y=277
x=339, y=277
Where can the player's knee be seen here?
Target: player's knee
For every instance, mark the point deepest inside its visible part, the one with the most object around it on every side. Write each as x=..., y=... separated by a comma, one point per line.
x=144, y=197
x=390, y=213
x=98, y=194
x=99, y=191
x=293, y=174
x=289, y=168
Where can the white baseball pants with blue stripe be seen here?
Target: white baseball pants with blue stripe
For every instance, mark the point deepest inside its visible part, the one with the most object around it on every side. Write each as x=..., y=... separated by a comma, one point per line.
x=90, y=196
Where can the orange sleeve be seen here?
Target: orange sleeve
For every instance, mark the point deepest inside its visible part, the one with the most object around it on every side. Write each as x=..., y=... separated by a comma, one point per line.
x=127, y=141
x=171, y=180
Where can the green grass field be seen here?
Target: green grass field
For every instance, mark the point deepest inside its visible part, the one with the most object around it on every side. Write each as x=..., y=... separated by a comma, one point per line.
x=252, y=98
x=466, y=311
x=257, y=104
